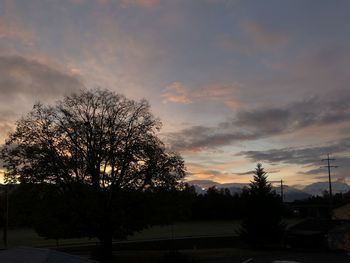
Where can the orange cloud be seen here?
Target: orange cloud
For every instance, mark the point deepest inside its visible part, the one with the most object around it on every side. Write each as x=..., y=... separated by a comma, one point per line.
x=221, y=93
x=176, y=92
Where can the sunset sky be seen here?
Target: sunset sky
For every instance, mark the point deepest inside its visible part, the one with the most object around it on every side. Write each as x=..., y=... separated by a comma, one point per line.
x=234, y=82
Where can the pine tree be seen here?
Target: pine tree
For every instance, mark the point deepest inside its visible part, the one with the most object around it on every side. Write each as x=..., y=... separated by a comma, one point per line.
x=260, y=186
x=262, y=221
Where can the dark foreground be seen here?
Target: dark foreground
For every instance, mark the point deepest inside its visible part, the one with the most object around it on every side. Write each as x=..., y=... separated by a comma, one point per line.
x=208, y=250
x=230, y=255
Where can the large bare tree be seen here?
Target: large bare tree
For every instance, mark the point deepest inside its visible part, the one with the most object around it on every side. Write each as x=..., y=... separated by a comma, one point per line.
x=97, y=139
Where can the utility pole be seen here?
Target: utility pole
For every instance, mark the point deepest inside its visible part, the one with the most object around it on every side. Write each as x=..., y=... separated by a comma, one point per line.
x=329, y=166
x=282, y=196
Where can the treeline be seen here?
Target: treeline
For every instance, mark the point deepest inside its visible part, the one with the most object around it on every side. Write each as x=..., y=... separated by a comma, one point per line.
x=42, y=206
x=217, y=204
x=56, y=214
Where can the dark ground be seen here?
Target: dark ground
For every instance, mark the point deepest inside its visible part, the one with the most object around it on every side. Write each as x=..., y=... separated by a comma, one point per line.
x=230, y=255
x=234, y=255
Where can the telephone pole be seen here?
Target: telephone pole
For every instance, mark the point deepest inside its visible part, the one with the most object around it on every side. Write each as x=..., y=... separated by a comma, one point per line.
x=282, y=196
x=329, y=166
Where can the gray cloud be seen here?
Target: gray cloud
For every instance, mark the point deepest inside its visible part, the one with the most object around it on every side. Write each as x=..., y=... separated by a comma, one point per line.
x=245, y=173
x=22, y=76
x=301, y=156
x=252, y=172
x=200, y=137
x=24, y=81
x=308, y=157
x=265, y=122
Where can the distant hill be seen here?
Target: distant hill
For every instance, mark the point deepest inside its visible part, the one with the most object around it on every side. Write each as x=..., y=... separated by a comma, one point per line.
x=203, y=183
x=319, y=188
x=290, y=193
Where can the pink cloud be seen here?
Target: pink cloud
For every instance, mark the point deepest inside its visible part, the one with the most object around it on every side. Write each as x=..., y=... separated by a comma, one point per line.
x=176, y=92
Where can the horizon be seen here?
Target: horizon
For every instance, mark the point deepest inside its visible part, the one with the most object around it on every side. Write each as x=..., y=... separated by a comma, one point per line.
x=234, y=82
x=275, y=184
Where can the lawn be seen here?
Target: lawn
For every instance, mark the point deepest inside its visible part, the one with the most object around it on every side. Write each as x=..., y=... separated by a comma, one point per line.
x=189, y=229
x=28, y=237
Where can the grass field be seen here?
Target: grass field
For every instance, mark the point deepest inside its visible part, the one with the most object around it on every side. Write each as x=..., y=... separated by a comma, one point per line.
x=28, y=237
x=189, y=229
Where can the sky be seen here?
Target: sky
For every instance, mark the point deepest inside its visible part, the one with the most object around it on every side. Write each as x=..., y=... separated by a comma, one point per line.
x=235, y=82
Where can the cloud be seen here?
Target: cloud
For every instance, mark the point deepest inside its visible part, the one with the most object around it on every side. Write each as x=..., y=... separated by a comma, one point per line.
x=245, y=173
x=199, y=137
x=264, y=122
x=309, y=157
x=209, y=174
x=22, y=76
x=177, y=92
x=140, y=3
x=252, y=172
x=24, y=81
x=10, y=30
x=253, y=37
x=263, y=36
x=7, y=118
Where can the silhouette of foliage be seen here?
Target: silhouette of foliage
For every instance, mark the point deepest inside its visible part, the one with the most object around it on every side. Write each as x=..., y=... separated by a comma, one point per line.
x=98, y=150
x=217, y=204
x=262, y=216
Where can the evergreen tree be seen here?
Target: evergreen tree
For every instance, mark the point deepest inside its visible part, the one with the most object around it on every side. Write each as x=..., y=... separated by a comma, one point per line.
x=260, y=186
x=262, y=219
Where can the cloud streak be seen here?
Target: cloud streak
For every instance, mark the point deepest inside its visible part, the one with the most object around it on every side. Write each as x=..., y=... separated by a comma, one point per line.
x=309, y=157
x=12, y=31
x=265, y=122
x=177, y=92
x=20, y=76
x=24, y=81
x=140, y=3
x=262, y=36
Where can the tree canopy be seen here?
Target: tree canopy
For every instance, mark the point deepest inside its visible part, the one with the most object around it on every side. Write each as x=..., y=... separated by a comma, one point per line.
x=94, y=137
x=94, y=143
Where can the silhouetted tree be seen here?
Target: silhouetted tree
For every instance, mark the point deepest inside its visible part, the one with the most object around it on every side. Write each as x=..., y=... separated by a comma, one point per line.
x=98, y=149
x=217, y=204
x=262, y=220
